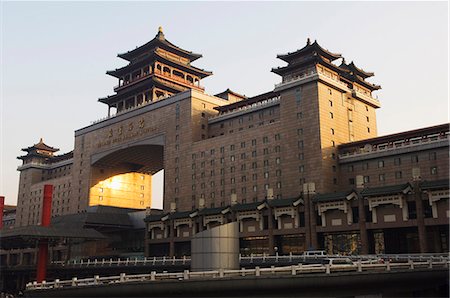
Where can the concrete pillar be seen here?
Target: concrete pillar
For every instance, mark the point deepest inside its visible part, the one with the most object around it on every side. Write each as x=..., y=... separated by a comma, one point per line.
x=362, y=227
x=270, y=218
x=421, y=229
x=307, y=223
x=172, y=242
x=313, y=223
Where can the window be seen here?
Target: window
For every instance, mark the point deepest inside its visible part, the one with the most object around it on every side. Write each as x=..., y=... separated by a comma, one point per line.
x=232, y=147
x=278, y=184
x=334, y=168
x=432, y=155
x=265, y=140
x=365, y=166
x=300, y=131
x=397, y=161
x=277, y=148
x=278, y=173
x=232, y=158
x=381, y=177
x=277, y=137
x=332, y=131
x=301, y=156
x=254, y=153
x=277, y=160
x=266, y=163
x=333, y=144
x=433, y=170
x=242, y=144
x=366, y=179
x=415, y=158
x=331, y=103
x=253, y=142
x=350, y=168
x=266, y=175
x=331, y=115
x=351, y=181
x=381, y=164
x=301, y=169
x=398, y=175
x=299, y=115
x=300, y=144
x=367, y=118
x=266, y=151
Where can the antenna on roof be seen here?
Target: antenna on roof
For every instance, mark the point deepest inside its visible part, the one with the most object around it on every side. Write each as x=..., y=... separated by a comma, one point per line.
x=308, y=41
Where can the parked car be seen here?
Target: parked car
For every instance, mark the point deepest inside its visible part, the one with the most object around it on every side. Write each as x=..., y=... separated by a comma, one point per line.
x=314, y=253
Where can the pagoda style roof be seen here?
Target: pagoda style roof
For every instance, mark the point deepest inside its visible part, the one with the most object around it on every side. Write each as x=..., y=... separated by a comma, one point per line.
x=309, y=48
x=387, y=190
x=144, y=83
x=40, y=146
x=354, y=69
x=312, y=59
x=119, y=72
x=159, y=41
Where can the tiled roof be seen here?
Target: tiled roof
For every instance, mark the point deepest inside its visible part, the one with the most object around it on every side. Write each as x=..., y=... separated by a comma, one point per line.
x=281, y=202
x=385, y=190
x=436, y=184
x=332, y=196
x=246, y=207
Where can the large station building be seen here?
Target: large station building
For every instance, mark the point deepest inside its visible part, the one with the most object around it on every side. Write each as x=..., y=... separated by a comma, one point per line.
x=299, y=167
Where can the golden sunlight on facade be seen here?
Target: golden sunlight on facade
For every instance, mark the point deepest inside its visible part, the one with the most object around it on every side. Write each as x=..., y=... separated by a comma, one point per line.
x=130, y=190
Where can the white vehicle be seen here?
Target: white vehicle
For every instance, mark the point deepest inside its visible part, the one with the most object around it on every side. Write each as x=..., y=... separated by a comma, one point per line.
x=338, y=261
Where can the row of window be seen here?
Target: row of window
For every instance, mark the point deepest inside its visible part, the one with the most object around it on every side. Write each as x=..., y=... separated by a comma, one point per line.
x=397, y=161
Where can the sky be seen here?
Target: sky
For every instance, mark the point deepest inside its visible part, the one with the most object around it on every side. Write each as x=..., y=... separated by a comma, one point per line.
x=54, y=56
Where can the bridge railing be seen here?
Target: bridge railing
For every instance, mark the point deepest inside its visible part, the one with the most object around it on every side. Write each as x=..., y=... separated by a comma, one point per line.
x=256, y=272
x=252, y=259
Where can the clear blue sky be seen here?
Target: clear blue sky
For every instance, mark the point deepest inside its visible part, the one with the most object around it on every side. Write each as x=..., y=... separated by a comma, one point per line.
x=55, y=54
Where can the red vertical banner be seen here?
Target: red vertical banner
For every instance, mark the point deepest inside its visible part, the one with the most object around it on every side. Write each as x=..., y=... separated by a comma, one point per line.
x=2, y=208
x=43, y=243
x=47, y=205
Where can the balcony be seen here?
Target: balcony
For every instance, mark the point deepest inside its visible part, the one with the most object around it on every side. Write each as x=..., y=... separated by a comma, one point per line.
x=166, y=75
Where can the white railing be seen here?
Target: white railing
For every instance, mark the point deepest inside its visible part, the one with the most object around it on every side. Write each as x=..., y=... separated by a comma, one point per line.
x=221, y=273
x=300, y=77
x=398, y=144
x=252, y=259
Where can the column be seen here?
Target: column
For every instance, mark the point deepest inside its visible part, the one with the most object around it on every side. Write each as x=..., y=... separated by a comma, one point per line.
x=421, y=229
x=270, y=217
x=313, y=222
x=307, y=222
x=43, y=243
x=172, y=236
x=362, y=227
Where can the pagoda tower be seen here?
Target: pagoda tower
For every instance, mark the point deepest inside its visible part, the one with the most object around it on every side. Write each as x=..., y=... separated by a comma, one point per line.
x=156, y=70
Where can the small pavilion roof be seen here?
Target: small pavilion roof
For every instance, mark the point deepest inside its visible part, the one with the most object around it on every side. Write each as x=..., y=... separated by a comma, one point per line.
x=386, y=190
x=358, y=71
x=246, y=207
x=161, y=41
x=40, y=146
x=314, y=47
x=435, y=185
x=334, y=196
